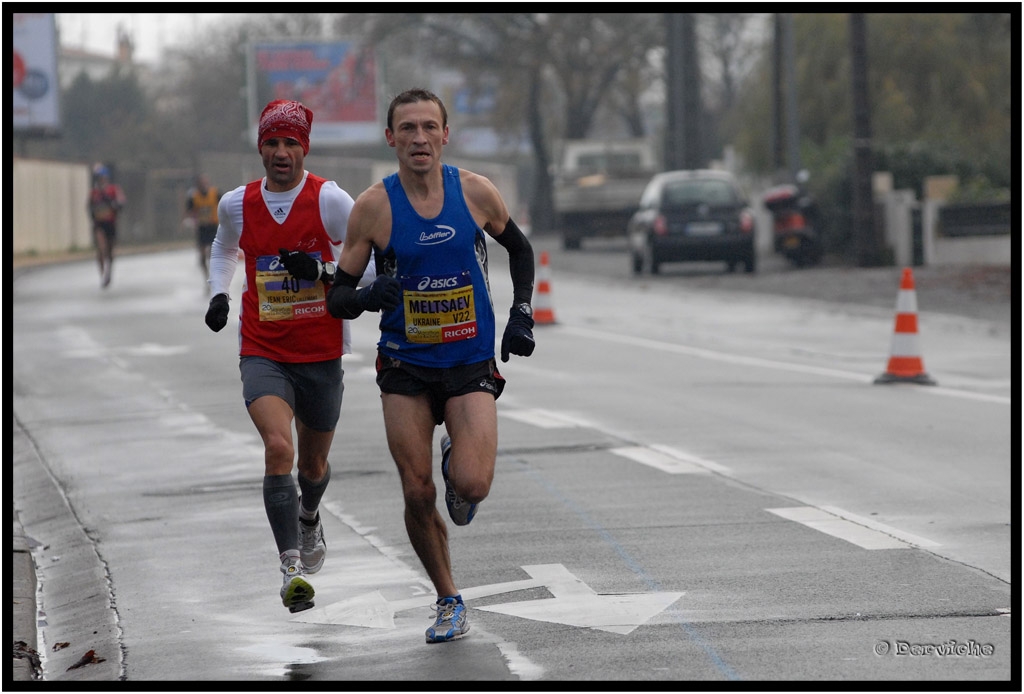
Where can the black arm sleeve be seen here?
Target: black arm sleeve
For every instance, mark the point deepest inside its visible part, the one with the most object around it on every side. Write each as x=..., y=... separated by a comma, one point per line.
x=520, y=262
x=341, y=297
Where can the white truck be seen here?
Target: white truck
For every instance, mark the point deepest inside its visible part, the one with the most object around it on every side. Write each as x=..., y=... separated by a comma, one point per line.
x=598, y=184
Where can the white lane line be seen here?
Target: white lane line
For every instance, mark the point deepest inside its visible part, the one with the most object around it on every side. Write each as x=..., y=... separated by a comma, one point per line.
x=712, y=355
x=857, y=530
x=518, y=664
x=546, y=419
x=670, y=460
x=690, y=458
x=909, y=538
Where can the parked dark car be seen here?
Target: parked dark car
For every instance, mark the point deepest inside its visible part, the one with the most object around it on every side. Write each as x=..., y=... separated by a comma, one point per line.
x=692, y=215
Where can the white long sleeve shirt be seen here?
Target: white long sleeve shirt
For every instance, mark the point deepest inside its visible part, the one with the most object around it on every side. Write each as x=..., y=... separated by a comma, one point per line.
x=335, y=206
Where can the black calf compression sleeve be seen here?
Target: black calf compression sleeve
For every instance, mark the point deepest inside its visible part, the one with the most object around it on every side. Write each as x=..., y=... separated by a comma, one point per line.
x=312, y=492
x=281, y=500
x=520, y=262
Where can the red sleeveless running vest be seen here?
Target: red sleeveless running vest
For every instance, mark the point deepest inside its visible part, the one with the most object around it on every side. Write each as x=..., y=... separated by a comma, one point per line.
x=283, y=318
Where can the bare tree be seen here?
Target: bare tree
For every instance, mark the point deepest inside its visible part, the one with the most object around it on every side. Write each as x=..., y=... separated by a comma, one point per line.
x=557, y=71
x=731, y=43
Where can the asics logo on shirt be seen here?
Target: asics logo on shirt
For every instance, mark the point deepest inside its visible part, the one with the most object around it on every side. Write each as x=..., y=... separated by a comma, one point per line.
x=443, y=233
x=431, y=283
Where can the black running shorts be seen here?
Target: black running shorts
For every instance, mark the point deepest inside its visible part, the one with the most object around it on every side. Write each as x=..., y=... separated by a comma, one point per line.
x=402, y=378
x=109, y=229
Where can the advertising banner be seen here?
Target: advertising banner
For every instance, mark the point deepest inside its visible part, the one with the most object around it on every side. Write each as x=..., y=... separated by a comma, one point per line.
x=337, y=80
x=35, y=102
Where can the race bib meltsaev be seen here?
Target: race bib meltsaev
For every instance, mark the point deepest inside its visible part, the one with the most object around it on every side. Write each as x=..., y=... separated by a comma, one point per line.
x=439, y=308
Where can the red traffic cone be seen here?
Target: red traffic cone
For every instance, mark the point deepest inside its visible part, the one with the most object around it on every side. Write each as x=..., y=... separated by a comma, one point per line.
x=905, y=363
x=542, y=310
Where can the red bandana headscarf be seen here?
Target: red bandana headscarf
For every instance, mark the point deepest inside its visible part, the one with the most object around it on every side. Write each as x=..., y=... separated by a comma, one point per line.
x=282, y=118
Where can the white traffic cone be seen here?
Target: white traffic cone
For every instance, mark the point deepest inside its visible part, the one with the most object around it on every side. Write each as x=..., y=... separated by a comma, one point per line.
x=905, y=363
x=542, y=311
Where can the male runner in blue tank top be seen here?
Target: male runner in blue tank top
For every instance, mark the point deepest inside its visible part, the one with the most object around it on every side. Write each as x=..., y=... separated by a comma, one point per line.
x=425, y=227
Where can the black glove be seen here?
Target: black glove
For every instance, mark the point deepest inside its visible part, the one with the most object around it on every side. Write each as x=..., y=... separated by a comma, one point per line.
x=518, y=337
x=300, y=265
x=384, y=293
x=217, y=314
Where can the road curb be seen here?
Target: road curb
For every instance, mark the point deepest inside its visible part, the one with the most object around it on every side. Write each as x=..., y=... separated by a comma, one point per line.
x=23, y=614
x=80, y=620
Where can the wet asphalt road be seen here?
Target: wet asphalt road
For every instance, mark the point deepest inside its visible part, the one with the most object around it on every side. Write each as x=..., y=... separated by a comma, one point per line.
x=938, y=290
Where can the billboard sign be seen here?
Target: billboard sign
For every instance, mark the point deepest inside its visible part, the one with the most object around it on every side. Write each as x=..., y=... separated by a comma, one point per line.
x=337, y=80
x=35, y=103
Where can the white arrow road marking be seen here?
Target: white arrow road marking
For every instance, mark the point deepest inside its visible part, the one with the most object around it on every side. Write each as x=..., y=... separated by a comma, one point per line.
x=576, y=604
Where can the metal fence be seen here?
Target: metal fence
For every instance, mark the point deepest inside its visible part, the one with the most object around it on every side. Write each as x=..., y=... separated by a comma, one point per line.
x=974, y=219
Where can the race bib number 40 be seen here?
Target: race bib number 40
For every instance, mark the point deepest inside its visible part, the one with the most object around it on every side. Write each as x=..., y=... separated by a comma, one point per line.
x=439, y=309
x=283, y=297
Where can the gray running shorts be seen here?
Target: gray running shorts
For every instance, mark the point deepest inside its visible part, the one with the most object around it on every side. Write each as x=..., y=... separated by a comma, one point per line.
x=313, y=390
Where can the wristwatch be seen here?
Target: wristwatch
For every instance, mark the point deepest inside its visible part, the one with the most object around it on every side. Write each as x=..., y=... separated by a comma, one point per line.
x=525, y=309
x=329, y=271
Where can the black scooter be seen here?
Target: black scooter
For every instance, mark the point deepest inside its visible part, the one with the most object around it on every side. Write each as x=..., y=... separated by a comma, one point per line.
x=795, y=232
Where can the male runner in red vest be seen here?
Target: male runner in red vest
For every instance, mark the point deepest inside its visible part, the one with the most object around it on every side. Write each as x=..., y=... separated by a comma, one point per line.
x=290, y=347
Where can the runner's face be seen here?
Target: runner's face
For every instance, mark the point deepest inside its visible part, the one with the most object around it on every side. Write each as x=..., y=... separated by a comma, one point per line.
x=282, y=159
x=419, y=136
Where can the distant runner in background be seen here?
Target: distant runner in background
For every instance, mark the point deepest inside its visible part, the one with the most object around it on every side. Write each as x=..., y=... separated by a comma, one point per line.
x=201, y=207
x=105, y=202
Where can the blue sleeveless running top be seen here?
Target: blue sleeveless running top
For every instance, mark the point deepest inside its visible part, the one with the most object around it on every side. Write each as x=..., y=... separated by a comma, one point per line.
x=446, y=317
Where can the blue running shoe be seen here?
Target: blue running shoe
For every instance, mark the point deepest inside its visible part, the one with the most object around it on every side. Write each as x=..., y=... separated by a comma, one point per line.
x=452, y=622
x=460, y=511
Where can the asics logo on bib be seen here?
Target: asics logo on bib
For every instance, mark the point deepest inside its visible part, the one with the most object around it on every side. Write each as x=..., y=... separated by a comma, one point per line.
x=443, y=233
x=437, y=283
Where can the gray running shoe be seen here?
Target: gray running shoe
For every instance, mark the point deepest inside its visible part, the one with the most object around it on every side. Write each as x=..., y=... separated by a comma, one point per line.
x=451, y=623
x=461, y=511
x=312, y=547
x=296, y=593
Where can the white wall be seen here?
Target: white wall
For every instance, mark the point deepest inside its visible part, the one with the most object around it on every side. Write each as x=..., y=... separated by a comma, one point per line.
x=976, y=250
x=50, y=210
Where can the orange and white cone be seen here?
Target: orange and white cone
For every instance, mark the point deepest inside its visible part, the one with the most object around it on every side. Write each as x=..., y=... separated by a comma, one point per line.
x=905, y=363
x=542, y=310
